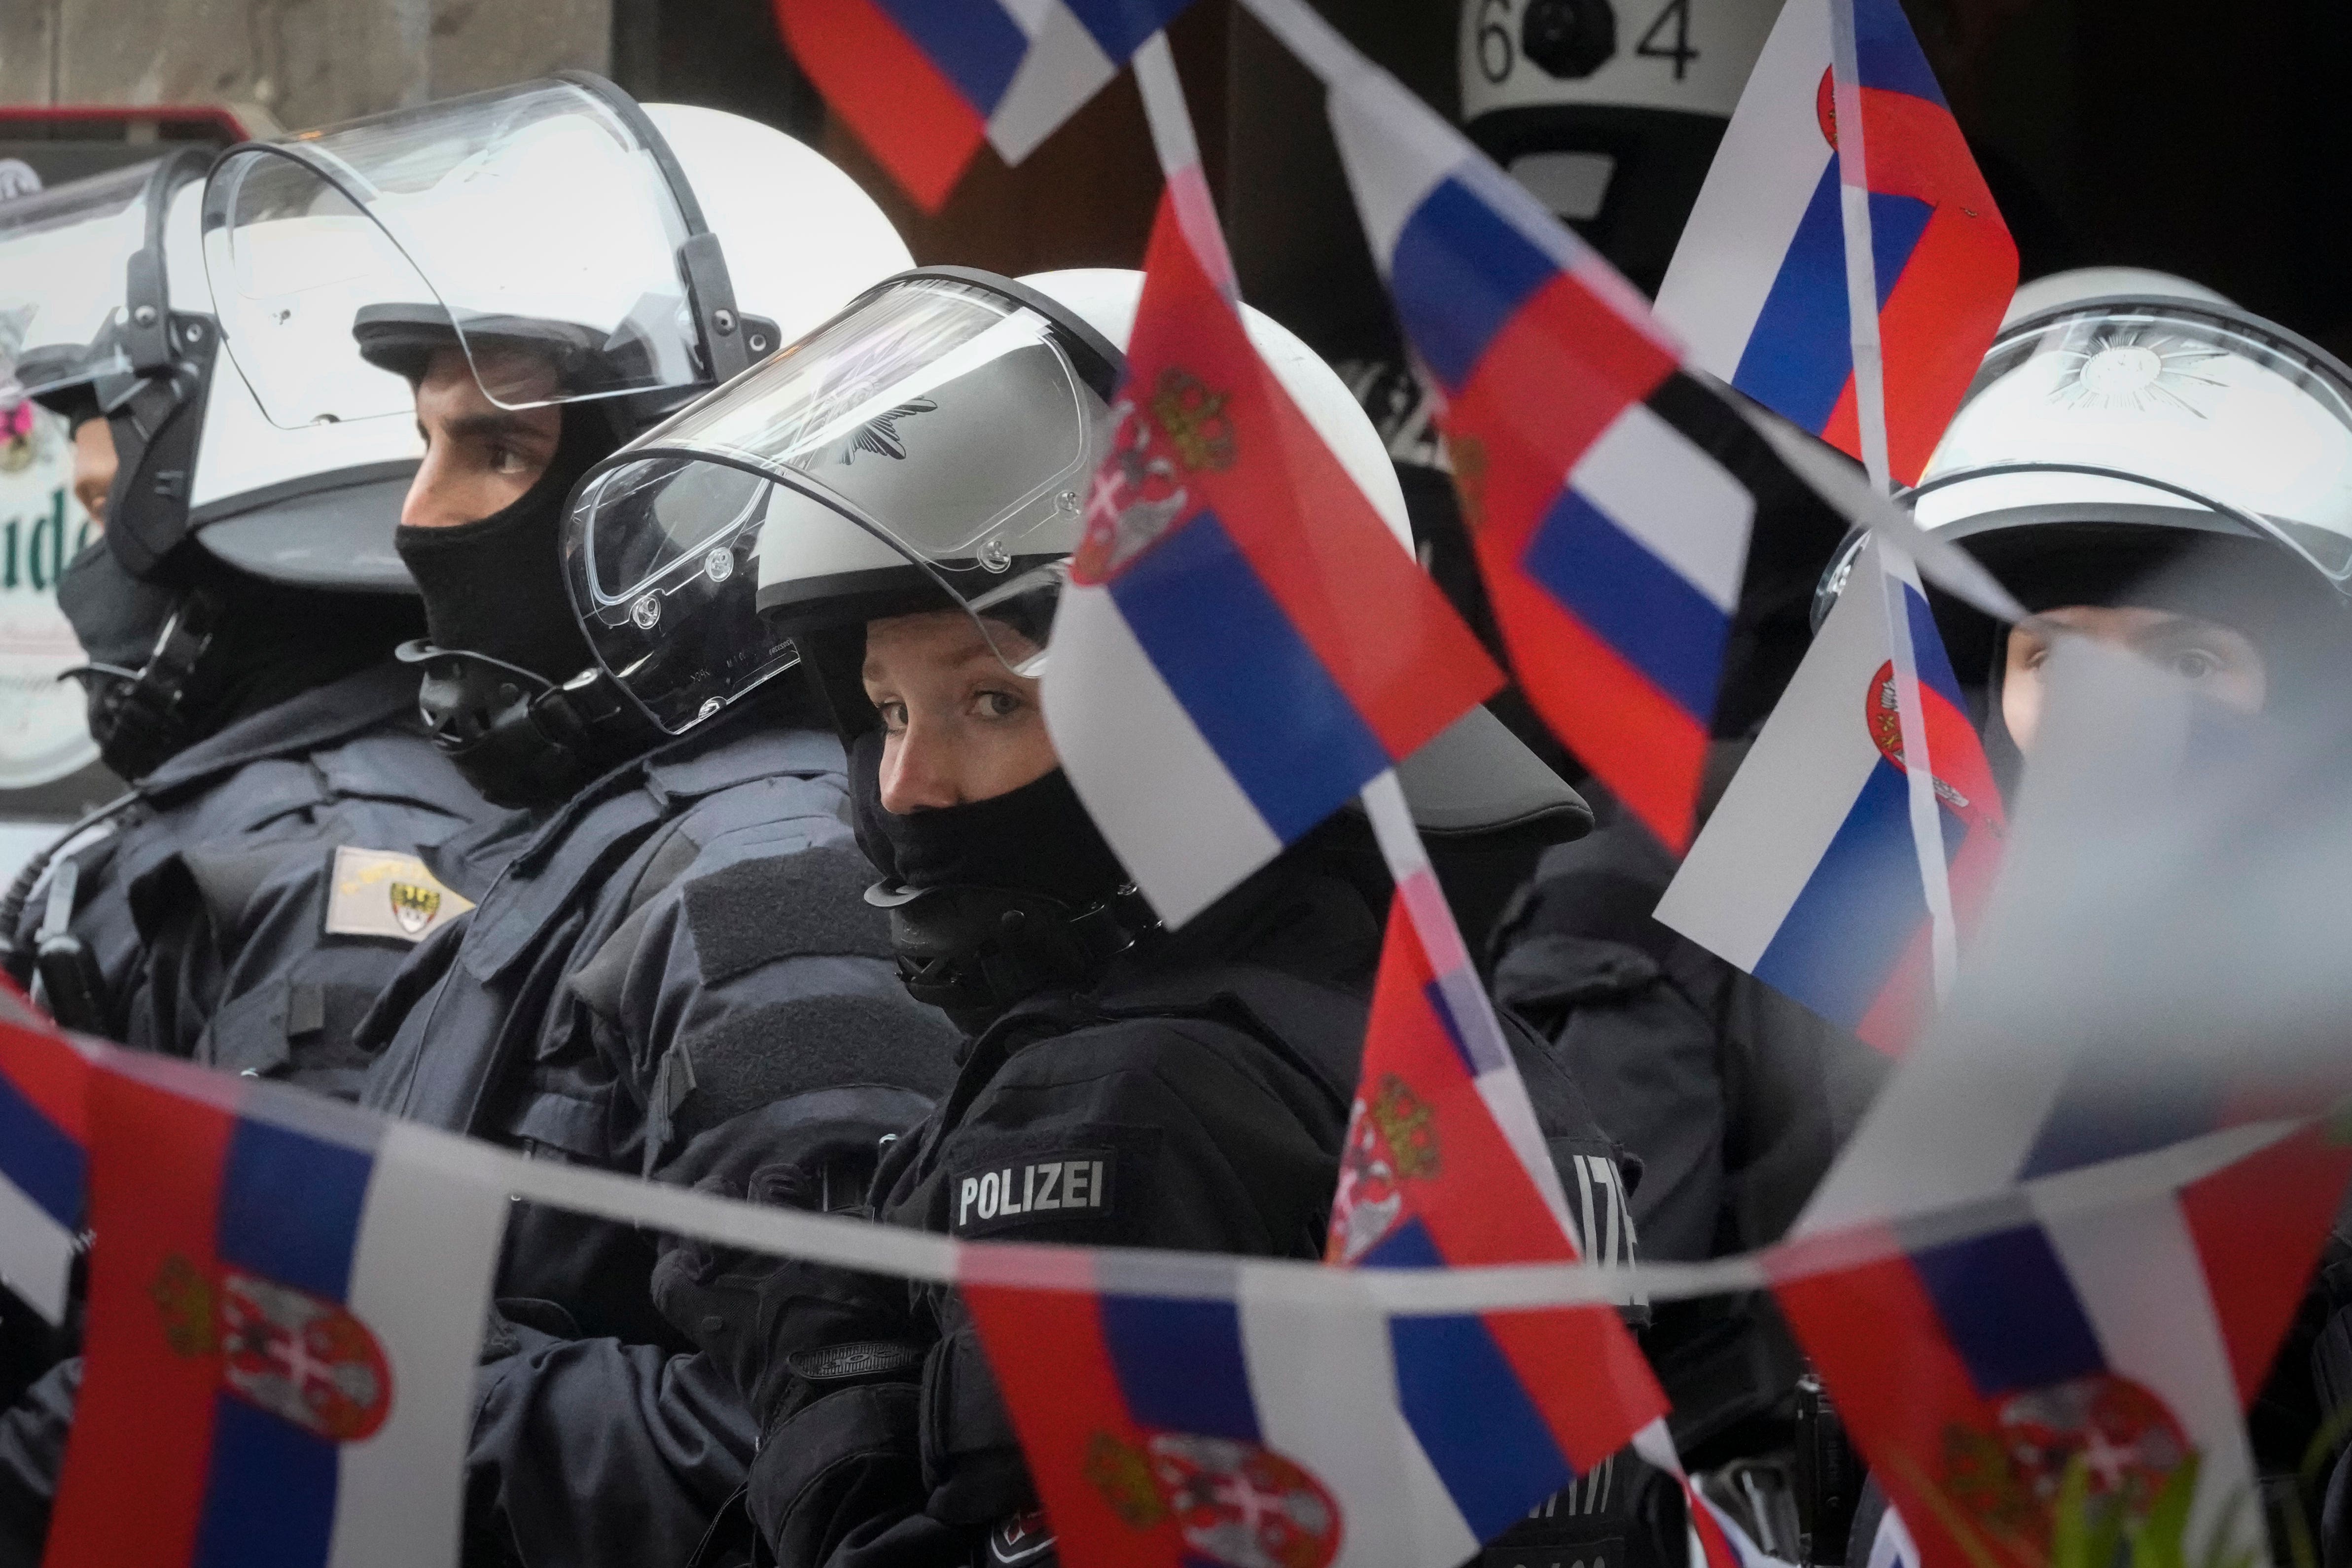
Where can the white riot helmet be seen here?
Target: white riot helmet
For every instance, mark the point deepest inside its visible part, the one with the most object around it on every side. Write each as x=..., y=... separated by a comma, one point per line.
x=114, y=322
x=932, y=444
x=1608, y=111
x=643, y=253
x=2123, y=420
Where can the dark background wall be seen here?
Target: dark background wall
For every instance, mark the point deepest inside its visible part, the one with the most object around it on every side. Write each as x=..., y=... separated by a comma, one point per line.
x=2208, y=140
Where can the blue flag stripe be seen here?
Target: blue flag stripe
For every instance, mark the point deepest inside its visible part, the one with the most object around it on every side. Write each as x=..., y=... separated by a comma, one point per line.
x=2010, y=1311
x=1260, y=698
x=291, y=1207
x=1799, y=356
x=1465, y=1405
x=1886, y=54
x=270, y=1492
x=1181, y=1366
x=1636, y=602
x=1458, y=274
x=39, y=1159
x=975, y=43
x=1120, y=27
x=1927, y=649
x=1841, y=938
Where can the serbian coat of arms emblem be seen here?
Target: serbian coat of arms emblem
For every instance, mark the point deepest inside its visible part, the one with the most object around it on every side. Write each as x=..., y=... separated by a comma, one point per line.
x=1882, y=712
x=1180, y=427
x=1392, y=1140
x=2092, y=1454
x=304, y=1359
x=1235, y=1503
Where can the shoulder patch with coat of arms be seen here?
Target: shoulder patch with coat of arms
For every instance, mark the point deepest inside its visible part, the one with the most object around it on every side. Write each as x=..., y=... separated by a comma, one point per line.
x=383, y=892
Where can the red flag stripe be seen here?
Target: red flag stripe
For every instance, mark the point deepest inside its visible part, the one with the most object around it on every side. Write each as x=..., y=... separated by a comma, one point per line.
x=146, y=1406
x=888, y=91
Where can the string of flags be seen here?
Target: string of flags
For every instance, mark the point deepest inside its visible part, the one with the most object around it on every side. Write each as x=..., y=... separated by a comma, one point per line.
x=284, y=1314
x=285, y=1297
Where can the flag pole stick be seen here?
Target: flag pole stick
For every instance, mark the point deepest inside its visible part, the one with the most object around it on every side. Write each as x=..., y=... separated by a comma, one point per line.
x=1870, y=408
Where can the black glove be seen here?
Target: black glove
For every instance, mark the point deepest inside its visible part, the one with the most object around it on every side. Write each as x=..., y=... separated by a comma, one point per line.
x=786, y=1330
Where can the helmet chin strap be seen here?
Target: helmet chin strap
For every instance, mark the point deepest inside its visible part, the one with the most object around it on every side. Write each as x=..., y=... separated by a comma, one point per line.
x=974, y=952
x=140, y=718
x=519, y=738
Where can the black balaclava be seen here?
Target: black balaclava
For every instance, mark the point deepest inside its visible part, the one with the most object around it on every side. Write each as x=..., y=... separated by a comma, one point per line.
x=496, y=603
x=995, y=900
x=495, y=586
x=264, y=643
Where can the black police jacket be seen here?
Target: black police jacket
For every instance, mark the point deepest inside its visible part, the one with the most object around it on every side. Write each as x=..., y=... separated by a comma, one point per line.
x=682, y=942
x=1734, y=1099
x=233, y=916
x=1204, y=1084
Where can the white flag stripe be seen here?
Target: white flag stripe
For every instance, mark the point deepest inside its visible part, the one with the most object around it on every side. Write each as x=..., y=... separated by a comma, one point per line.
x=1390, y=172
x=1790, y=797
x=1324, y=1381
x=1663, y=490
x=1062, y=70
x=1193, y=834
x=1756, y=191
x=429, y=1239
x=2137, y=1271
x=36, y=1253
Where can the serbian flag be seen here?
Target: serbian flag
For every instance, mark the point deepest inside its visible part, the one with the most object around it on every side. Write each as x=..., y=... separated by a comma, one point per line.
x=285, y=1307
x=43, y=1169
x=924, y=82
x=1243, y=644
x=2062, y=1370
x=1238, y=1423
x=1807, y=875
x=1445, y=1167
x=1612, y=538
x=1758, y=286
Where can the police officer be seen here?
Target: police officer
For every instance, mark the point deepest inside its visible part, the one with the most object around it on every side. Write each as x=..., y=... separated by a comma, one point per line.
x=264, y=878
x=267, y=874
x=676, y=934
x=924, y=457
x=2138, y=461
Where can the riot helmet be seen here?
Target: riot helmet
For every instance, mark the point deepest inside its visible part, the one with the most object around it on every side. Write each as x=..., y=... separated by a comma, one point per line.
x=2136, y=440
x=1609, y=114
x=211, y=507
x=581, y=252
x=934, y=447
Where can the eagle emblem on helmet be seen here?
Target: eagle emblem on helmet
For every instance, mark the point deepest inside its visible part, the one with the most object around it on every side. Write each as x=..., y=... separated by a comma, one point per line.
x=1234, y=1503
x=1392, y=1140
x=303, y=1358
x=414, y=906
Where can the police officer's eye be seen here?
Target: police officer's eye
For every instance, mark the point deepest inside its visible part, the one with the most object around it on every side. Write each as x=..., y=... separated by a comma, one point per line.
x=2195, y=664
x=894, y=717
x=998, y=704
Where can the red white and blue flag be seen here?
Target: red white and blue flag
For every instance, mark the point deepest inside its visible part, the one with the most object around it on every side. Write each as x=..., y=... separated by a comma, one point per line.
x=924, y=82
x=1612, y=539
x=43, y=1168
x=1243, y=644
x=285, y=1313
x=2061, y=1371
x=1808, y=876
x=1758, y=286
x=1445, y=1167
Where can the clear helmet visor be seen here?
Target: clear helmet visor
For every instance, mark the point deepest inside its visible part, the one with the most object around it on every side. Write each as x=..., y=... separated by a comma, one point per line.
x=533, y=226
x=2145, y=408
x=64, y=258
x=930, y=447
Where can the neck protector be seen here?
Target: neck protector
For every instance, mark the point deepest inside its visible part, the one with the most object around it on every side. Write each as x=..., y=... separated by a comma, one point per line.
x=994, y=901
x=511, y=688
x=171, y=666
